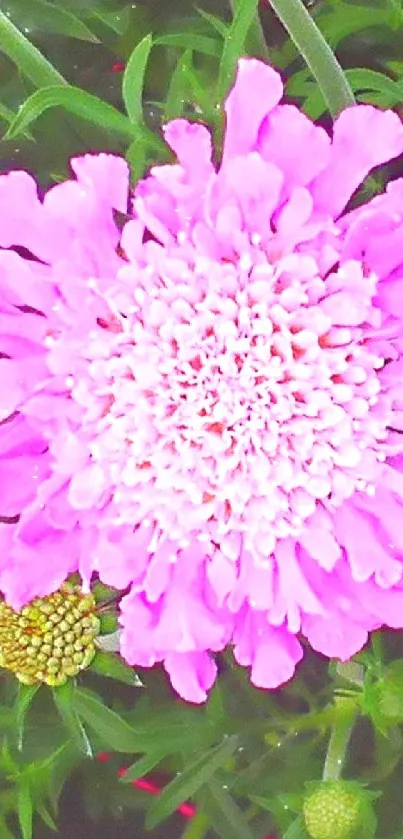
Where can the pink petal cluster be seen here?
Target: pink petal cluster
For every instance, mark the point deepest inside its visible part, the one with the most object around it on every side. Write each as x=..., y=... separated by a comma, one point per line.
x=206, y=408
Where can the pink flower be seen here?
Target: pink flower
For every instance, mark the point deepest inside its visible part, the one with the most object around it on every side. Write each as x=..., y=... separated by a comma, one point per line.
x=207, y=407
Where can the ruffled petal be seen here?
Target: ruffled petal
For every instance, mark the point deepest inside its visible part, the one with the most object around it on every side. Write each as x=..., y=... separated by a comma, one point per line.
x=352, y=157
x=257, y=89
x=283, y=131
x=272, y=652
x=191, y=674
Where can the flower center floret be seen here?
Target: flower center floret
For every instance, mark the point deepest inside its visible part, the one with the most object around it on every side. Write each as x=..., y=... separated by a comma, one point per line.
x=51, y=638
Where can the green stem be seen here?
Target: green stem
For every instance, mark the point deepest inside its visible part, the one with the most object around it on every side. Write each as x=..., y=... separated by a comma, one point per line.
x=315, y=50
x=338, y=743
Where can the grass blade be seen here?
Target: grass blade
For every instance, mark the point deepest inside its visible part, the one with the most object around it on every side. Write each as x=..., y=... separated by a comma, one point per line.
x=234, y=43
x=64, y=700
x=25, y=810
x=75, y=101
x=191, y=41
x=47, y=17
x=224, y=813
x=185, y=785
x=133, y=80
x=25, y=697
x=29, y=60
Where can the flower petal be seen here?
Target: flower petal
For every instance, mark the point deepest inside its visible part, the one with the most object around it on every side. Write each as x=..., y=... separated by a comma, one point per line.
x=352, y=156
x=257, y=89
x=191, y=674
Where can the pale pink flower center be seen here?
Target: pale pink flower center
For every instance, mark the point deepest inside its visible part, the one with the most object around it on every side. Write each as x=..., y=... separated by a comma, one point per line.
x=225, y=399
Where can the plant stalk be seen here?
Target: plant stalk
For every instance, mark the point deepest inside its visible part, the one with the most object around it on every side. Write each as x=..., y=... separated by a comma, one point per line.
x=317, y=53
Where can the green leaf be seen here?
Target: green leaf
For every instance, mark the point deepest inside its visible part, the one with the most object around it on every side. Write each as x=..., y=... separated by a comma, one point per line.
x=349, y=671
x=109, y=627
x=296, y=830
x=215, y=706
x=6, y=114
x=47, y=17
x=234, y=43
x=224, y=814
x=197, y=773
x=46, y=817
x=25, y=810
x=144, y=765
x=25, y=696
x=133, y=80
x=178, y=730
x=363, y=79
x=75, y=101
x=117, y=21
x=214, y=21
x=113, y=667
x=64, y=700
x=103, y=592
x=192, y=41
x=178, y=89
x=389, y=692
x=317, y=53
x=29, y=60
x=109, y=726
x=344, y=19
x=186, y=86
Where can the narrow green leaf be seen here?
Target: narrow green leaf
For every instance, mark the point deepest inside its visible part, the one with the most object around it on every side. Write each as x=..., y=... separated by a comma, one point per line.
x=178, y=89
x=133, y=80
x=363, y=79
x=296, y=830
x=234, y=43
x=224, y=813
x=25, y=810
x=144, y=765
x=214, y=21
x=137, y=158
x=25, y=696
x=6, y=114
x=344, y=19
x=29, y=60
x=319, y=57
x=178, y=730
x=75, y=101
x=64, y=700
x=113, y=667
x=192, y=41
x=195, y=775
x=255, y=41
x=187, y=87
x=47, y=17
x=109, y=726
x=117, y=21
x=46, y=817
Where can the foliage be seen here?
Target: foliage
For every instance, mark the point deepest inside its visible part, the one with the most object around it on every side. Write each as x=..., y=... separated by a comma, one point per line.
x=79, y=75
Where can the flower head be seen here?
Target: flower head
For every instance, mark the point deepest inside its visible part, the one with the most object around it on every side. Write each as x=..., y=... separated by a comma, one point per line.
x=207, y=407
x=50, y=639
x=338, y=810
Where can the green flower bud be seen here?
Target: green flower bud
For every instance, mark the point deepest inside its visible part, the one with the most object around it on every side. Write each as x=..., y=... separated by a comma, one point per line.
x=336, y=810
x=51, y=638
